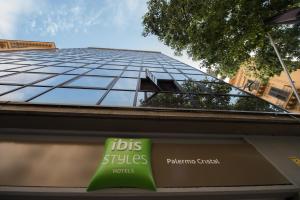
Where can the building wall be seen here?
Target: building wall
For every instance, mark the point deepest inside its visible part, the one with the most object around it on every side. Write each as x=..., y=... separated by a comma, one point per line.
x=277, y=91
x=14, y=45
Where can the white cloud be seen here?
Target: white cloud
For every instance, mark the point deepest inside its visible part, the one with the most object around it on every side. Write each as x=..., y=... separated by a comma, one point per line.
x=52, y=28
x=124, y=11
x=75, y=16
x=49, y=18
x=11, y=12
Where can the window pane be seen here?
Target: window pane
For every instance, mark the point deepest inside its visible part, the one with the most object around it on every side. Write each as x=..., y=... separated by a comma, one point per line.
x=21, y=69
x=6, y=88
x=126, y=84
x=55, y=80
x=191, y=71
x=79, y=71
x=143, y=75
x=23, y=94
x=162, y=75
x=133, y=68
x=23, y=78
x=119, y=98
x=179, y=77
x=70, y=96
x=133, y=74
x=9, y=66
x=113, y=67
x=147, y=65
x=143, y=97
x=92, y=65
x=135, y=64
x=236, y=91
x=117, y=63
x=105, y=72
x=5, y=73
x=202, y=78
x=30, y=62
x=71, y=64
x=173, y=70
x=49, y=63
x=89, y=81
x=52, y=69
x=279, y=93
x=154, y=69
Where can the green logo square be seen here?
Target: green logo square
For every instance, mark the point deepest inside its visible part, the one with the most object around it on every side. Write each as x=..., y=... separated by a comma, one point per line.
x=126, y=163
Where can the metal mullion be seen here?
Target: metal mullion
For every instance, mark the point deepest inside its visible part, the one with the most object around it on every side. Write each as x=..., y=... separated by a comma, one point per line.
x=138, y=86
x=111, y=86
x=216, y=94
x=32, y=60
x=206, y=94
x=53, y=87
x=82, y=87
x=13, y=73
x=126, y=90
x=28, y=70
x=12, y=84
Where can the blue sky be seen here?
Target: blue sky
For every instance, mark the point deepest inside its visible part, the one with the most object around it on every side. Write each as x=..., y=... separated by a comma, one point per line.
x=81, y=23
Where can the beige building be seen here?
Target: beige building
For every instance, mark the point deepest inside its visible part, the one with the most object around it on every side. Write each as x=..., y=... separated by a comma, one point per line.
x=13, y=45
x=277, y=91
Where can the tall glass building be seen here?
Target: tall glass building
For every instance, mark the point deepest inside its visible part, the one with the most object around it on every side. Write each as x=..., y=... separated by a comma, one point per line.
x=58, y=106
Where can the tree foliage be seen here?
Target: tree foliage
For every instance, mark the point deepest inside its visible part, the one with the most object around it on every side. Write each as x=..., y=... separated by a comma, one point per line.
x=225, y=34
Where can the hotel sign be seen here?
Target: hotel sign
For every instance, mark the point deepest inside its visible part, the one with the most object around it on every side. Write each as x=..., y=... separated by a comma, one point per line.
x=125, y=162
x=211, y=165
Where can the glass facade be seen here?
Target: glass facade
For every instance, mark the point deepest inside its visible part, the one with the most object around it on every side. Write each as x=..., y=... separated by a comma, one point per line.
x=103, y=77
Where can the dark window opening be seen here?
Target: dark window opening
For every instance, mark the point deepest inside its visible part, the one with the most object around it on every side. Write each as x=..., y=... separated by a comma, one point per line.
x=279, y=94
x=168, y=85
x=147, y=85
x=251, y=85
x=163, y=86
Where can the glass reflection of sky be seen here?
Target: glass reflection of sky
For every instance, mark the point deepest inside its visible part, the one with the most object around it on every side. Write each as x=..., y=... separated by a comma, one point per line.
x=179, y=77
x=79, y=71
x=20, y=69
x=105, y=72
x=172, y=70
x=55, y=80
x=5, y=73
x=162, y=75
x=52, y=69
x=126, y=84
x=88, y=81
x=119, y=98
x=69, y=64
x=6, y=88
x=113, y=67
x=29, y=62
x=115, y=74
x=9, y=66
x=132, y=74
x=23, y=94
x=133, y=68
x=70, y=96
x=23, y=78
